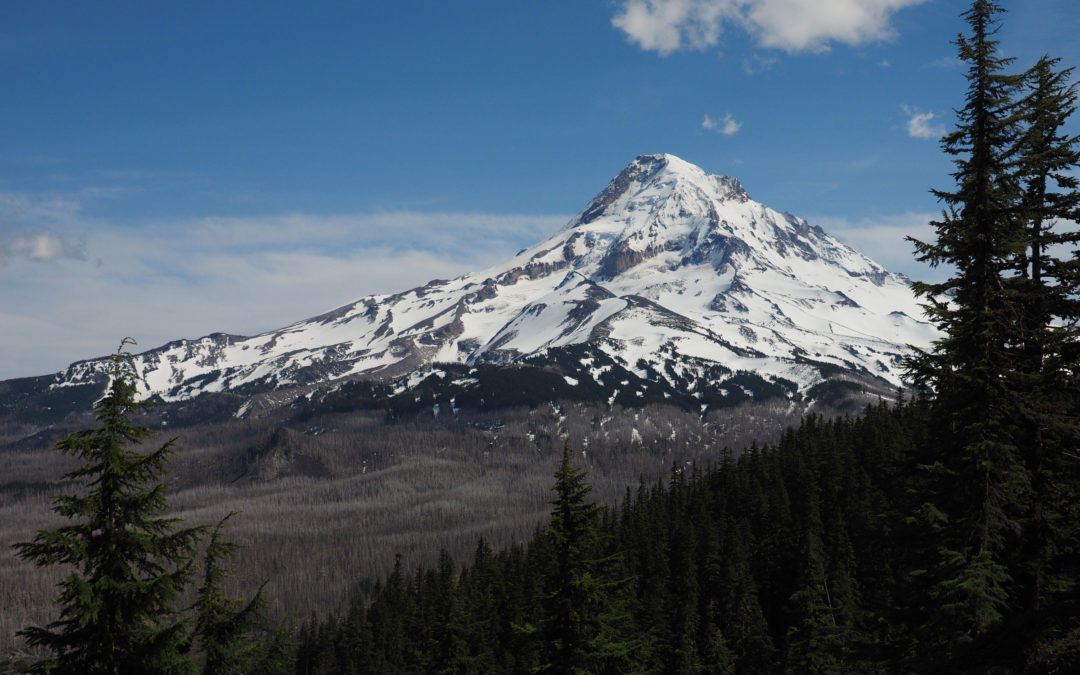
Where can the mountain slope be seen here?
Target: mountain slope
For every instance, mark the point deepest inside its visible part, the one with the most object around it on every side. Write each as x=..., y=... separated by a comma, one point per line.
x=667, y=269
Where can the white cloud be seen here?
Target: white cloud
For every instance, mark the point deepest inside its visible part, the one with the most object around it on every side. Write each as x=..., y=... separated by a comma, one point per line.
x=159, y=281
x=726, y=125
x=665, y=26
x=810, y=25
x=883, y=239
x=922, y=125
x=946, y=63
x=40, y=247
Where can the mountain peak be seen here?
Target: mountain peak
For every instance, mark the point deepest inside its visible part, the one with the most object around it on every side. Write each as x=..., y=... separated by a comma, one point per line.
x=660, y=175
x=668, y=268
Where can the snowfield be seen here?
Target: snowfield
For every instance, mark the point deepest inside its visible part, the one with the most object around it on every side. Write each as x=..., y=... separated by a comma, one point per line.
x=668, y=264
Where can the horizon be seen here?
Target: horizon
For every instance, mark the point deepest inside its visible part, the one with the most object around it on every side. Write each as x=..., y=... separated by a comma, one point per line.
x=171, y=172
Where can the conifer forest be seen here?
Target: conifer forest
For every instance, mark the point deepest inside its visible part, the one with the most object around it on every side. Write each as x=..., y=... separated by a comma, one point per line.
x=934, y=532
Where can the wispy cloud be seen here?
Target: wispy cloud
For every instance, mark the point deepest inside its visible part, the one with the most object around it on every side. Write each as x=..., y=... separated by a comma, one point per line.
x=922, y=125
x=40, y=247
x=726, y=125
x=757, y=64
x=665, y=26
x=162, y=280
x=946, y=63
x=884, y=239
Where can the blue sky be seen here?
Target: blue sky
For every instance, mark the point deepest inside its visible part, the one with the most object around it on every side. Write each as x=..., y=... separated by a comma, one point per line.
x=173, y=169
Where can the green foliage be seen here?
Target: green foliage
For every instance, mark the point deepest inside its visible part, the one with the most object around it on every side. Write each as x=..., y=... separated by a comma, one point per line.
x=815, y=555
x=131, y=564
x=585, y=624
x=1004, y=375
x=1048, y=385
x=232, y=636
x=117, y=606
x=773, y=560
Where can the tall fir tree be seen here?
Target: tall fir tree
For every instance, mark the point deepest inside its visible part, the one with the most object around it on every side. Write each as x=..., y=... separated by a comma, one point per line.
x=1006, y=377
x=117, y=606
x=978, y=477
x=233, y=636
x=1048, y=159
x=1046, y=561
x=586, y=624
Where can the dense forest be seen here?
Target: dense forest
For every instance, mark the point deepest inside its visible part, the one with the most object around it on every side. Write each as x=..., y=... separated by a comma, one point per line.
x=819, y=555
x=935, y=533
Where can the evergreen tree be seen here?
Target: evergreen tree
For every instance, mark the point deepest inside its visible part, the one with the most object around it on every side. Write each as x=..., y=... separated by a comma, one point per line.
x=643, y=539
x=446, y=620
x=1050, y=287
x=1050, y=202
x=1046, y=561
x=586, y=621
x=391, y=614
x=307, y=647
x=357, y=636
x=978, y=476
x=739, y=612
x=232, y=635
x=130, y=562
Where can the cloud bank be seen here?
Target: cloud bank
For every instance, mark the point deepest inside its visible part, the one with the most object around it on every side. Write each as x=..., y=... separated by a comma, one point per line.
x=185, y=278
x=665, y=26
x=164, y=280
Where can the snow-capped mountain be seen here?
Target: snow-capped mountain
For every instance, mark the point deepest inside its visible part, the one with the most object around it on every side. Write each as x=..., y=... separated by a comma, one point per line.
x=671, y=273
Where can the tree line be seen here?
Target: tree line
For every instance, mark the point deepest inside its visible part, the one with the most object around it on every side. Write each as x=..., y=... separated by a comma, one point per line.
x=810, y=555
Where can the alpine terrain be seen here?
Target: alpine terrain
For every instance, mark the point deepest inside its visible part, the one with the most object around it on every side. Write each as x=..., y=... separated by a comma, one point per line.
x=671, y=284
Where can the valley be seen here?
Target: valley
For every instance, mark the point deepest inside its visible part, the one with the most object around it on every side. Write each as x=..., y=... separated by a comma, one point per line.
x=327, y=500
